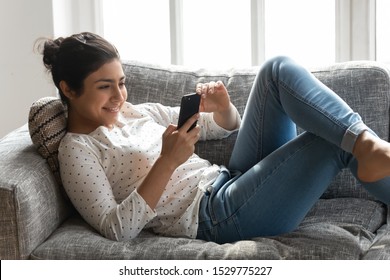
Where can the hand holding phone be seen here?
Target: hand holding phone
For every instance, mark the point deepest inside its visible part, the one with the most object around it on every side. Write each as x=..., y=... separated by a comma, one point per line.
x=189, y=106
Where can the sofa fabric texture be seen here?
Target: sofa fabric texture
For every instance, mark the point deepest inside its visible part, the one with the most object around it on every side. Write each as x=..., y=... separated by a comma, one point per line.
x=37, y=222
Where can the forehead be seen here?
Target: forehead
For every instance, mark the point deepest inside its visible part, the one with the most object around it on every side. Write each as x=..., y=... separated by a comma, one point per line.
x=111, y=70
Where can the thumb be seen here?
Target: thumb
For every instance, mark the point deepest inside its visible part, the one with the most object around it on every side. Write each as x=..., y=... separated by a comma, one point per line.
x=170, y=129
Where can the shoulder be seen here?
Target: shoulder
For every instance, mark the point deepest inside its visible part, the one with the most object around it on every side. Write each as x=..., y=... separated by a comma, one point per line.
x=74, y=144
x=73, y=139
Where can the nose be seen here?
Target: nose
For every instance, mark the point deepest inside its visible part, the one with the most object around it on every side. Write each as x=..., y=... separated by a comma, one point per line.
x=119, y=94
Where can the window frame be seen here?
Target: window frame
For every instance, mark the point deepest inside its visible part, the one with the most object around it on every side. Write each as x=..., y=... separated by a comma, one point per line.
x=355, y=27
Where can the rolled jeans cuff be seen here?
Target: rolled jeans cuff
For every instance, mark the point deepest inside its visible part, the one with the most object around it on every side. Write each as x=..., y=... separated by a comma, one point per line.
x=351, y=135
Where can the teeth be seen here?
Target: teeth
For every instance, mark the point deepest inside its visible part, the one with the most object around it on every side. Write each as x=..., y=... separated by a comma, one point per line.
x=114, y=110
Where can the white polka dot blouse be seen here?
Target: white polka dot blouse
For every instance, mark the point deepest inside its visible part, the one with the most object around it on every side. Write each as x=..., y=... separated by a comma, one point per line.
x=102, y=170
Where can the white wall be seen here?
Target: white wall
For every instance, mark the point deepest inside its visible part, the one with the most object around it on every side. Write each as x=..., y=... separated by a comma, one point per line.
x=22, y=76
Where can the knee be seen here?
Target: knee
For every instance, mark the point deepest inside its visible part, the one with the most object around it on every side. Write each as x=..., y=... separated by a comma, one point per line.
x=281, y=68
x=276, y=62
x=272, y=67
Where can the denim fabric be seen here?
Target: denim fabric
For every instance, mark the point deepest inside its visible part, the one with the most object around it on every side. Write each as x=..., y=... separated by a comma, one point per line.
x=283, y=174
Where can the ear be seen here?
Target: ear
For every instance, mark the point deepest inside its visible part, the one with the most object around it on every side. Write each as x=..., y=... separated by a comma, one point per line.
x=67, y=91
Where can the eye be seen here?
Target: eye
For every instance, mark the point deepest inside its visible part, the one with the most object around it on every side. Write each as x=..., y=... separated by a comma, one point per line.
x=103, y=86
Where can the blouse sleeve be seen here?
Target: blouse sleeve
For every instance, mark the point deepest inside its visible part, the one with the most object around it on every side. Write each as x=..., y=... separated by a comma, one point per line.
x=89, y=190
x=210, y=130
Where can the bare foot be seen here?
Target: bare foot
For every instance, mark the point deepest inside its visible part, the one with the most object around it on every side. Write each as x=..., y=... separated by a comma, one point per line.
x=373, y=156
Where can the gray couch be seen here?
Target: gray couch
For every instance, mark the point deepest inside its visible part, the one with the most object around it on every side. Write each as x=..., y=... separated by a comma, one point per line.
x=37, y=222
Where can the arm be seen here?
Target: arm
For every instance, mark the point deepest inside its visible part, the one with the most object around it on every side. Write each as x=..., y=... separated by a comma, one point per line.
x=90, y=191
x=227, y=119
x=178, y=145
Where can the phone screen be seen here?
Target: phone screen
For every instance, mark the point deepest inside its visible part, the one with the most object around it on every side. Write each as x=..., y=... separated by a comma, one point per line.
x=189, y=106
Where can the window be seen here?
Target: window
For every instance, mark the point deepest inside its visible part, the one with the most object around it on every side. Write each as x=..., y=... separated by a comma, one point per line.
x=301, y=29
x=220, y=33
x=382, y=31
x=138, y=29
x=217, y=33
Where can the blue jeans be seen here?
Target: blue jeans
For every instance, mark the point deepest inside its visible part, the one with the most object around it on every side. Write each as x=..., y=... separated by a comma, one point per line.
x=278, y=176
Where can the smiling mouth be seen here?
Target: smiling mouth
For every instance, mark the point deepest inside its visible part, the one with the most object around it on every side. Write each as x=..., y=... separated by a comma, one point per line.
x=112, y=110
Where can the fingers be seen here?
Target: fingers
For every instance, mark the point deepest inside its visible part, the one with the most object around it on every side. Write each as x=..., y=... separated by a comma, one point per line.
x=190, y=136
x=189, y=123
x=208, y=88
x=170, y=129
x=178, y=144
x=215, y=97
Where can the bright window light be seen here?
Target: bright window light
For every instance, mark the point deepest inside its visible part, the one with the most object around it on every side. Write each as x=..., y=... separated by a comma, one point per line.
x=382, y=31
x=138, y=29
x=217, y=33
x=301, y=29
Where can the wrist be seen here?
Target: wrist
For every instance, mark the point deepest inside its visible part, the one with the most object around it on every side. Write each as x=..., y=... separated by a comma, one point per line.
x=227, y=119
x=166, y=163
x=227, y=111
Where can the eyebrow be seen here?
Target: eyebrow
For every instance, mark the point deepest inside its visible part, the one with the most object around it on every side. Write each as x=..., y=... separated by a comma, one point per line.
x=110, y=80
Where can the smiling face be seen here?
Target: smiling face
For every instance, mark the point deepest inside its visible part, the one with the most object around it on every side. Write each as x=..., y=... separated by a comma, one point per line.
x=100, y=101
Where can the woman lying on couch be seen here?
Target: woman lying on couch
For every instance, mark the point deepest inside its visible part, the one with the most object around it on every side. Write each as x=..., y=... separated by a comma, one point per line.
x=127, y=167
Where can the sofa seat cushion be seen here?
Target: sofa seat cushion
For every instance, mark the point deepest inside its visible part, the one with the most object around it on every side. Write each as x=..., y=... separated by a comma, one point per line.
x=323, y=235
x=380, y=248
x=369, y=214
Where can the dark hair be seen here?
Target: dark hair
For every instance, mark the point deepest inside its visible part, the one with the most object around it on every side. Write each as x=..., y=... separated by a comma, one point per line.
x=73, y=58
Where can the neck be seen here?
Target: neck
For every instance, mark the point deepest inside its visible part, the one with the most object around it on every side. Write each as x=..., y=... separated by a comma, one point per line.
x=77, y=125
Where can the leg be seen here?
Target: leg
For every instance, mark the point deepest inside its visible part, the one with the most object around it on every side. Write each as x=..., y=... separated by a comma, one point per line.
x=264, y=127
x=373, y=155
x=276, y=191
x=285, y=94
x=275, y=195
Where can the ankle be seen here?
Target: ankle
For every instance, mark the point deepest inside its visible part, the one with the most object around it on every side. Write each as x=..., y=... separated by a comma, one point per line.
x=364, y=144
x=373, y=157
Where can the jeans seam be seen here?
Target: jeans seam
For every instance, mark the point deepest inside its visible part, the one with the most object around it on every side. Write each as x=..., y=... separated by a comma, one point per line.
x=313, y=106
x=260, y=150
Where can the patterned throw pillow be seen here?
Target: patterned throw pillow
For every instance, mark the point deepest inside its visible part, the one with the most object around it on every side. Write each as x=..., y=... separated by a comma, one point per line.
x=47, y=126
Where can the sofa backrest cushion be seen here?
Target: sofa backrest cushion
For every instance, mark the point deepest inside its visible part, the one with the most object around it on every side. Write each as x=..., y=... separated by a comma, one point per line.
x=166, y=85
x=364, y=85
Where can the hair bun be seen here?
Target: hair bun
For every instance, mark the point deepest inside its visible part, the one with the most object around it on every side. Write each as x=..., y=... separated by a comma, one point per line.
x=50, y=52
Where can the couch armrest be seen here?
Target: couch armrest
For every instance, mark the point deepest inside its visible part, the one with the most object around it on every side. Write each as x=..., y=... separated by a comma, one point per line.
x=31, y=205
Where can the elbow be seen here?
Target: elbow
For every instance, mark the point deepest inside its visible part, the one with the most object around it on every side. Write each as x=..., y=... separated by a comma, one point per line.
x=120, y=236
x=117, y=230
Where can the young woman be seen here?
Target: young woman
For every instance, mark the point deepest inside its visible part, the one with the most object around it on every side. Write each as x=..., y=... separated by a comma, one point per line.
x=127, y=168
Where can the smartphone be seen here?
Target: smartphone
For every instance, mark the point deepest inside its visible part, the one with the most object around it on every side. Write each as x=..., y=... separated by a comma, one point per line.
x=189, y=106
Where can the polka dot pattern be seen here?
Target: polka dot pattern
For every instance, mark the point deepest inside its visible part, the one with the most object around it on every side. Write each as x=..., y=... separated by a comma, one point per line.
x=101, y=172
